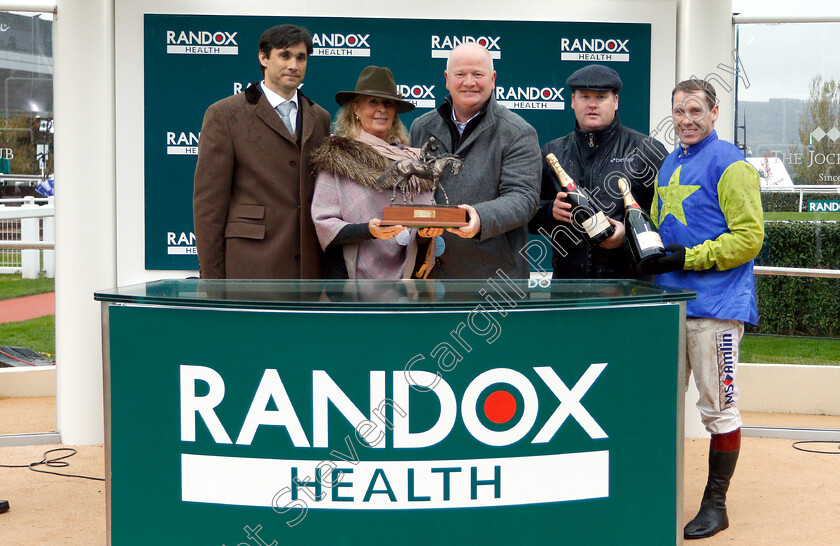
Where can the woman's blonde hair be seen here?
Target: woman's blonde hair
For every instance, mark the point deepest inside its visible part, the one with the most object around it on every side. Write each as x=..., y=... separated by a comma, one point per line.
x=348, y=125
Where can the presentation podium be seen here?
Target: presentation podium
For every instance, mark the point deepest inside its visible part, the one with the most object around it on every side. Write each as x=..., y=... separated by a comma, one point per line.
x=394, y=412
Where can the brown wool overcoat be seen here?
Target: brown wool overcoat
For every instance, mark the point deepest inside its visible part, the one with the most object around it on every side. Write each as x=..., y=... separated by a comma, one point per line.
x=253, y=190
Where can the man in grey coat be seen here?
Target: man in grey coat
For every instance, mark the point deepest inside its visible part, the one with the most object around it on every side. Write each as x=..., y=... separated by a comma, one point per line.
x=500, y=180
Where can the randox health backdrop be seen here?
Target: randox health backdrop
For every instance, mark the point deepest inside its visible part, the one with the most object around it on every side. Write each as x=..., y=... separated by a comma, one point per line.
x=193, y=61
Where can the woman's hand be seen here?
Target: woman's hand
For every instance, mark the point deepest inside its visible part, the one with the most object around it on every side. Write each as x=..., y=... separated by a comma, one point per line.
x=430, y=232
x=383, y=232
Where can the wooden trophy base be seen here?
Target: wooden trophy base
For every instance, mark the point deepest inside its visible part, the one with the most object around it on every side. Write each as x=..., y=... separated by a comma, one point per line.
x=424, y=216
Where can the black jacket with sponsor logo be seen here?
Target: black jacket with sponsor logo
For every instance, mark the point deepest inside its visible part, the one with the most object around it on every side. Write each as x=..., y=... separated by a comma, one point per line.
x=596, y=161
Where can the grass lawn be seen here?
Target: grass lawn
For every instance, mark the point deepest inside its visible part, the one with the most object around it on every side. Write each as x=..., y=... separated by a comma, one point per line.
x=766, y=349
x=13, y=286
x=37, y=334
x=802, y=216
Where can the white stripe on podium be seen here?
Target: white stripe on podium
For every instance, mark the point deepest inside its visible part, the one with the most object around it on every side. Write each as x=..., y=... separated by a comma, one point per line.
x=522, y=480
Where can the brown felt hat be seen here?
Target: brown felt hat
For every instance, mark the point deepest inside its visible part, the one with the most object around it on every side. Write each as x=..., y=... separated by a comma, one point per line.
x=376, y=81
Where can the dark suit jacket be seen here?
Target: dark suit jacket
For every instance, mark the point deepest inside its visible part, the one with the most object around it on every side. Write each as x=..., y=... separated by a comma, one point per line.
x=253, y=190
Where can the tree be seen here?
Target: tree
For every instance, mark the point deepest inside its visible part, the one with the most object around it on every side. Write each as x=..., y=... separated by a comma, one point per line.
x=818, y=124
x=766, y=171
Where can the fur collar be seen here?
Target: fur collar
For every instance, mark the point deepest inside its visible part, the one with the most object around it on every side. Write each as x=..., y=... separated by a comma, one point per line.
x=358, y=162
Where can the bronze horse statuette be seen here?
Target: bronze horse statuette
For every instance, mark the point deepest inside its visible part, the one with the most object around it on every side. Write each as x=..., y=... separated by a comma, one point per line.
x=408, y=172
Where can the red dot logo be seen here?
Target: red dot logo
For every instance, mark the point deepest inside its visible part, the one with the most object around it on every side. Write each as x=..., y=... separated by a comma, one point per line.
x=218, y=37
x=500, y=407
x=351, y=40
x=611, y=45
x=482, y=42
x=546, y=93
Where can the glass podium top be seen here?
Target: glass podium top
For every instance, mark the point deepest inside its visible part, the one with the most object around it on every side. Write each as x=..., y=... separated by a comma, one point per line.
x=401, y=295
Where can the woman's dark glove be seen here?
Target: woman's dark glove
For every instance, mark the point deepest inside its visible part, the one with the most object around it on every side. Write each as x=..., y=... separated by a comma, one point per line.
x=673, y=261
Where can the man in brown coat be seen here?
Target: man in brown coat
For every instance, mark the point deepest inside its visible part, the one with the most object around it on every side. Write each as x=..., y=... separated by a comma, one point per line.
x=253, y=185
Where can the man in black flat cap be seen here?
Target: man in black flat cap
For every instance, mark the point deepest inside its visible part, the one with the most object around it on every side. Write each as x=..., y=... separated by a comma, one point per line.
x=596, y=154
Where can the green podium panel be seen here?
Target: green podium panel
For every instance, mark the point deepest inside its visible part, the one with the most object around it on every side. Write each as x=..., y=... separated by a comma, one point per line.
x=394, y=413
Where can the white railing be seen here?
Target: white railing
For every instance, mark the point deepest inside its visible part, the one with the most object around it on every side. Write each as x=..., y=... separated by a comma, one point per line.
x=19, y=180
x=21, y=245
x=802, y=189
x=796, y=271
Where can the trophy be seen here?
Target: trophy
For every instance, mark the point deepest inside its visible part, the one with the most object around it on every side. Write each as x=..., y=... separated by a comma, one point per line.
x=411, y=176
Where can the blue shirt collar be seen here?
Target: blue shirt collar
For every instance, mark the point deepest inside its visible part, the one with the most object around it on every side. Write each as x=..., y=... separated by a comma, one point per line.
x=695, y=148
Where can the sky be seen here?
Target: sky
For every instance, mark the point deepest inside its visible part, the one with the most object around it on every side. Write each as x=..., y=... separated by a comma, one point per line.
x=781, y=59
x=786, y=7
x=44, y=15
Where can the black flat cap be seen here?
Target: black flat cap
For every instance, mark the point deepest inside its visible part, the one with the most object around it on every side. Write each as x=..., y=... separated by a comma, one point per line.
x=595, y=77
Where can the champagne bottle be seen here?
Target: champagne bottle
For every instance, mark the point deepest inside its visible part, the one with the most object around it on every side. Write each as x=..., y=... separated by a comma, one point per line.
x=584, y=211
x=642, y=238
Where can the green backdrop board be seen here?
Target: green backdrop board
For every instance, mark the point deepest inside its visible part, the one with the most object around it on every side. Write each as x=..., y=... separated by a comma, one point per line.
x=193, y=61
x=541, y=433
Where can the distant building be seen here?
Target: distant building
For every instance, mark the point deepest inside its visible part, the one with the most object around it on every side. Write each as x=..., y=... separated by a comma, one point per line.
x=771, y=126
x=772, y=171
x=26, y=65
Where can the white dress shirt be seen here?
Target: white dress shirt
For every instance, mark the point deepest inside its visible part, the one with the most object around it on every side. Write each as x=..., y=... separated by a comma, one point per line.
x=274, y=100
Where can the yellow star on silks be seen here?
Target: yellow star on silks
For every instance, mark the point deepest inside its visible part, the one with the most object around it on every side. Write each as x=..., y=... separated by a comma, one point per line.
x=673, y=196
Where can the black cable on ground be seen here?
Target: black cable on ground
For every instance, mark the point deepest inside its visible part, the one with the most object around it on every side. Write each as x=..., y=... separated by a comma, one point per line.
x=55, y=462
x=16, y=358
x=796, y=446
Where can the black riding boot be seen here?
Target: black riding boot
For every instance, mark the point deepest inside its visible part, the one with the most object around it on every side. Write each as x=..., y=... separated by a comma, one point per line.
x=4, y=506
x=712, y=518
